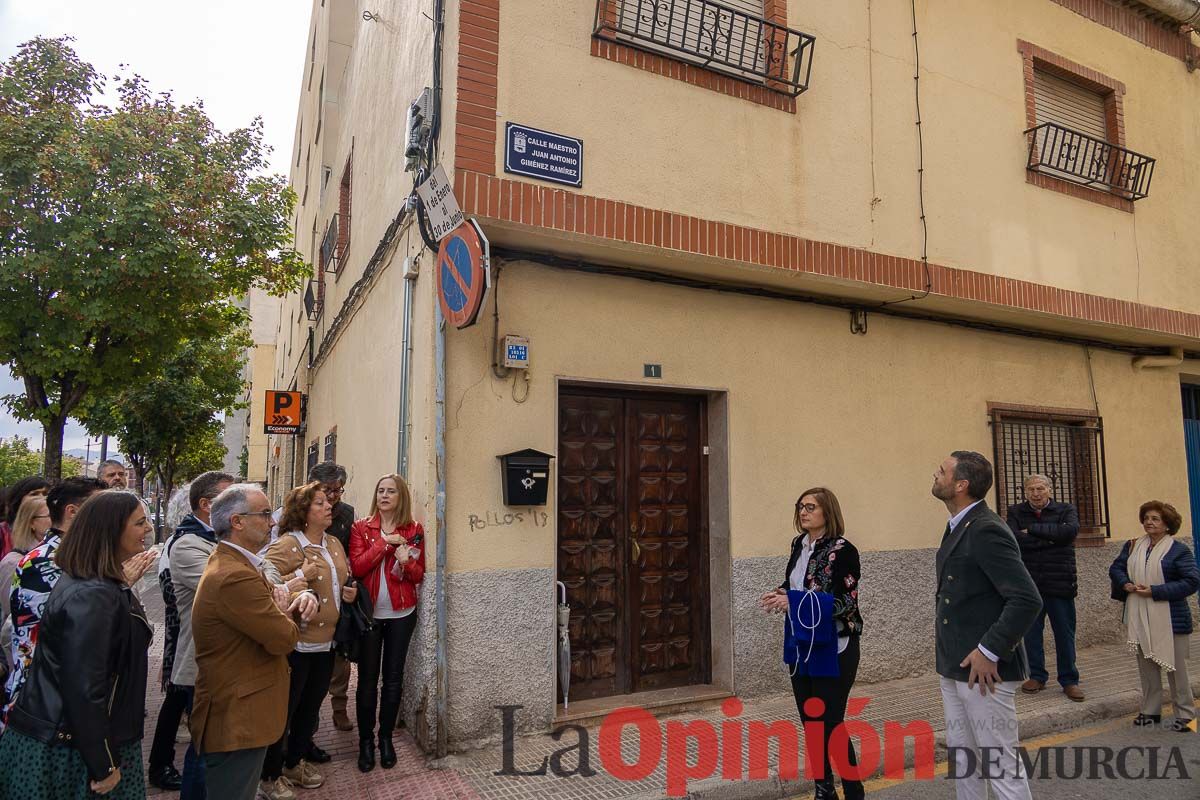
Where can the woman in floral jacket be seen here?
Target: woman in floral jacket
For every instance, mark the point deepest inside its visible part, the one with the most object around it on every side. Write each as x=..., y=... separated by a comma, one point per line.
x=823, y=560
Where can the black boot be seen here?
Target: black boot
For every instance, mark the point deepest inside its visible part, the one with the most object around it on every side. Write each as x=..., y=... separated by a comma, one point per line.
x=366, y=754
x=825, y=790
x=387, y=753
x=853, y=790
x=165, y=777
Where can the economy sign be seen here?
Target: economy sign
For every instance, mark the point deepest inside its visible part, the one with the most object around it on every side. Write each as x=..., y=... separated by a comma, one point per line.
x=543, y=155
x=284, y=412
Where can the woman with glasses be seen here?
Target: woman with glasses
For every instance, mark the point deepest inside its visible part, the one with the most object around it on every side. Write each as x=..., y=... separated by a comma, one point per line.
x=823, y=560
x=387, y=553
x=14, y=496
x=304, y=549
x=29, y=526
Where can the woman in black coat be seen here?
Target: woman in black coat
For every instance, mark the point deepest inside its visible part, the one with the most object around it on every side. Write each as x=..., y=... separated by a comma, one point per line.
x=823, y=560
x=77, y=724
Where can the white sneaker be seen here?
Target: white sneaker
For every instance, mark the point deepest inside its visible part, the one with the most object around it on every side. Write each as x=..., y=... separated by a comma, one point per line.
x=183, y=735
x=279, y=789
x=304, y=774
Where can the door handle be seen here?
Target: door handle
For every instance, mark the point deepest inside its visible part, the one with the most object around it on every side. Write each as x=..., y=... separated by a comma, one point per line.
x=637, y=548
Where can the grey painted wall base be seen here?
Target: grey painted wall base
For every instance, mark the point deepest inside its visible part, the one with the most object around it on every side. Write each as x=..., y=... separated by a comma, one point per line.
x=501, y=650
x=897, y=601
x=502, y=636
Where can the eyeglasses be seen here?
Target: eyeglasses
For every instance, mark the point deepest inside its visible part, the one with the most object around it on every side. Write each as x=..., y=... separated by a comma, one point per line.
x=333, y=490
x=266, y=513
x=809, y=507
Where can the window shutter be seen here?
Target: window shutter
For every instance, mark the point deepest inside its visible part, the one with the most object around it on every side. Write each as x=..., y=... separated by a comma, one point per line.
x=1069, y=104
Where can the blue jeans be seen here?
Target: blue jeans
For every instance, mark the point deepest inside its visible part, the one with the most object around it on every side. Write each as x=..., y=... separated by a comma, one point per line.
x=1061, y=611
x=192, y=784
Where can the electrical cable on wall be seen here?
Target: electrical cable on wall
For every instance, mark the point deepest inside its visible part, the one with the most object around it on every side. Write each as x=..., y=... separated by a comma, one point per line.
x=920, y=167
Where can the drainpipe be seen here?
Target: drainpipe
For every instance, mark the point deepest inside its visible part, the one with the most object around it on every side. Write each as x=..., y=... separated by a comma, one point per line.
x=442, y=684
x=1174, y=359
x=406, y=353
x=1185, y=12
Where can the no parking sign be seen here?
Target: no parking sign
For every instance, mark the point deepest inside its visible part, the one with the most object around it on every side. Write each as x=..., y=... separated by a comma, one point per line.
x=463, y=274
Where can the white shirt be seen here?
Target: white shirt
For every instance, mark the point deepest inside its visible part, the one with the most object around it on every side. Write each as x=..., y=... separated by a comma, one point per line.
x=316, y=647
x=383, y=603
x=796, y=581
x=954, y=520
x=253, y=558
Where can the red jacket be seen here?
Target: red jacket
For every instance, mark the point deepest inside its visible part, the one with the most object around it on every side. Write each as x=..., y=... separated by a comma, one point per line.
x=370, y=555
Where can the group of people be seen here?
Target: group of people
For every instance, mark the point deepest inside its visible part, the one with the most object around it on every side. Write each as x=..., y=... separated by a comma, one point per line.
x=997, y=582
x=262, y=608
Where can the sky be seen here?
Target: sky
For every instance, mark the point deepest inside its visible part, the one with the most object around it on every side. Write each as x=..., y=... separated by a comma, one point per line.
x=243, y=59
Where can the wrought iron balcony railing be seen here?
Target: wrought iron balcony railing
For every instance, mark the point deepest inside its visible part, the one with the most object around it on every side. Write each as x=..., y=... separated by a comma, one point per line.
x=330, y=257
x=712, y=35
x=1079, y=158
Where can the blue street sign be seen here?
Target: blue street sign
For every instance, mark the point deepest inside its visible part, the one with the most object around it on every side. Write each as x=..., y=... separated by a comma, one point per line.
x=543, y=155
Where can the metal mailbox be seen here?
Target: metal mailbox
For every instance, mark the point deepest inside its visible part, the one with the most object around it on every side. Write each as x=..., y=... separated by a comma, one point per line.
x=525, y=476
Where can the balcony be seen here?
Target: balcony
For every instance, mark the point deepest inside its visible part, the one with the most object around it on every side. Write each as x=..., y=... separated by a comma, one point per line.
x=330, y=252
x=1076, y=157
x=714, y=36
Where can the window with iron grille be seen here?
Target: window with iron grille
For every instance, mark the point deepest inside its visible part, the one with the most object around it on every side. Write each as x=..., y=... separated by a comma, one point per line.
x=314, y=453
x=1065, y=446
x=343, y=234
x=331, y=445
x=734, y=37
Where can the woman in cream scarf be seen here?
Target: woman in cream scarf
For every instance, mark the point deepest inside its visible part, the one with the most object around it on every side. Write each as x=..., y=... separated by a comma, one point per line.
x=1156, y=575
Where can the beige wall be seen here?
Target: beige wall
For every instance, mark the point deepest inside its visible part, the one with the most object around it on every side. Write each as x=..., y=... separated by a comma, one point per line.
x=808, y=403
x=664, y=144
x=262, y=369
x=372, y=71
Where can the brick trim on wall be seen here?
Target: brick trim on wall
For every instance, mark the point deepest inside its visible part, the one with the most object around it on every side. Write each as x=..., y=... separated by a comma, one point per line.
x=1113, y=91
x=691, y=73
x=1160, y=36
x=561, y=210
x=478, y=59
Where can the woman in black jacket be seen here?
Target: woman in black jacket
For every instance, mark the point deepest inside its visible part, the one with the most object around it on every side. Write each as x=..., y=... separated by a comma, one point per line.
x=823, y=560
x=77, y=725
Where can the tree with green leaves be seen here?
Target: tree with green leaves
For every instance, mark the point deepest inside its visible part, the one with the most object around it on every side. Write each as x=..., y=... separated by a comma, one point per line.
x=124, y=232
x=168, y=424
x=18, y=460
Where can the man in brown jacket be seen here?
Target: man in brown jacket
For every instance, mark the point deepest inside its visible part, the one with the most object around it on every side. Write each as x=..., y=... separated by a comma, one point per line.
x=243, y=630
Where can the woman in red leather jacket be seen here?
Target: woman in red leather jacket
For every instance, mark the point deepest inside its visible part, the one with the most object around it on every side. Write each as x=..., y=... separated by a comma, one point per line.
x=387, y=555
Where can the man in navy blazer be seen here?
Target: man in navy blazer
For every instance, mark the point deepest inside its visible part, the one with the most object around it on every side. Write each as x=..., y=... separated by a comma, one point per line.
x=986, y=601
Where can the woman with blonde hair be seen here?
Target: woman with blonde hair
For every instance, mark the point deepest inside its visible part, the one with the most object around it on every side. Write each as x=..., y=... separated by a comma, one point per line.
x=387, y=554
x=29, y=526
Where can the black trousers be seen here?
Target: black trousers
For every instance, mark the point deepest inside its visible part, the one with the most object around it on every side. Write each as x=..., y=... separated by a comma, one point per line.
x=384, y=652
x=306, y=692
x=162, y=751
x=834, y=692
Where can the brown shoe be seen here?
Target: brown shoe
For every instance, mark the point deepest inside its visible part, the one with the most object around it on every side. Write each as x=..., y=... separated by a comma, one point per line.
x=1032, y=687
x=341, y=721
x=1074, y=692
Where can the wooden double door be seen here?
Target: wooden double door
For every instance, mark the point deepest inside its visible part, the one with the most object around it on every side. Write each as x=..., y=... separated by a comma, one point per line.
x=633, y=540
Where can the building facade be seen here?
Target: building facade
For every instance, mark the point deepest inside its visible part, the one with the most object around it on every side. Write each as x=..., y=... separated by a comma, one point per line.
x=245, y=434
x=787, y=264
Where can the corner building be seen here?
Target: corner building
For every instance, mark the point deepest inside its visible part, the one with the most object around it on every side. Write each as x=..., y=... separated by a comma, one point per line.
x=740, y=301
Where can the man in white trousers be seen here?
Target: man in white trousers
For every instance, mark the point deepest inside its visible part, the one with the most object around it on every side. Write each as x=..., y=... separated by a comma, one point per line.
x=986, y=601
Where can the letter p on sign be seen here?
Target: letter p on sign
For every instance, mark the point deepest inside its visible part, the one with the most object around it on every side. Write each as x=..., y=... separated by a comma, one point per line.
x=283, y=412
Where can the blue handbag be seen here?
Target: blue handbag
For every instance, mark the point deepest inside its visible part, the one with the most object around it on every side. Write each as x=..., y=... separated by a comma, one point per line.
x=810, y=643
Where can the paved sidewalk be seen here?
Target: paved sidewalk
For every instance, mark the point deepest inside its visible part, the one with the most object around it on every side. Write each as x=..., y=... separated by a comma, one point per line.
x=1109, y=678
